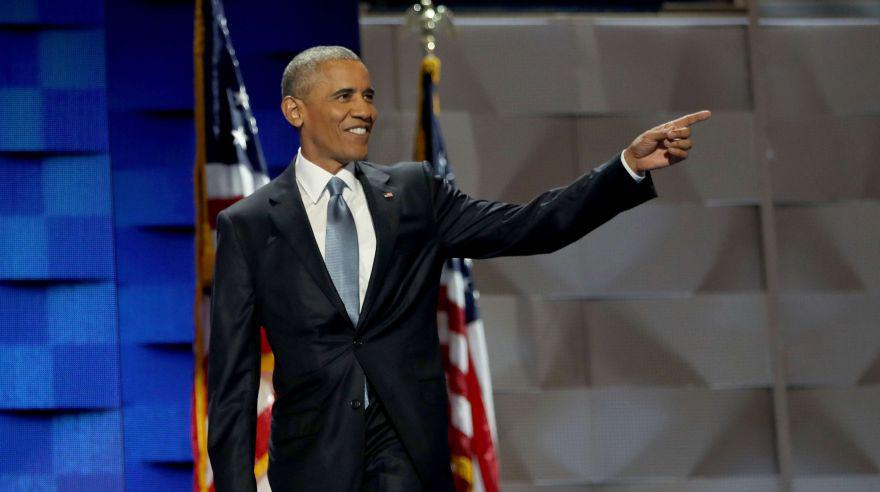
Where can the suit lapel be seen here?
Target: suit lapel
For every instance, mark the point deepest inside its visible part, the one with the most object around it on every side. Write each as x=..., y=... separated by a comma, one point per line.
x=289, y=216
x=385, y=211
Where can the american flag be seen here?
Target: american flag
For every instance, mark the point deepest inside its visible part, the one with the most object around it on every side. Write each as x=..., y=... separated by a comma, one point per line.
x=472, y=434
x=229, y=166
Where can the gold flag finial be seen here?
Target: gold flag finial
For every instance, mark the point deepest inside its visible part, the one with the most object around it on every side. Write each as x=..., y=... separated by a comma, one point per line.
x=426, y=19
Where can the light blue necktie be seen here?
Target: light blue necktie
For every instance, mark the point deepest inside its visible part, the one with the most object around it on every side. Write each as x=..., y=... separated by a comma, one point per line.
x=341, y=249
x=341, y=254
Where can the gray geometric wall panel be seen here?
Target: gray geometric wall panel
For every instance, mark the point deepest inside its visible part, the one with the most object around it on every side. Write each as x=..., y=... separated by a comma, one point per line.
x=639, y=359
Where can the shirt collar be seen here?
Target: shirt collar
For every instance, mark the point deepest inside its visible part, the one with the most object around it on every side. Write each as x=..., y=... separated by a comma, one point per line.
x=314, y=178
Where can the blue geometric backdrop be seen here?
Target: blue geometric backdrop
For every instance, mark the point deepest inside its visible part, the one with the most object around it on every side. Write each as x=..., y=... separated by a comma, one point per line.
x=96, y=214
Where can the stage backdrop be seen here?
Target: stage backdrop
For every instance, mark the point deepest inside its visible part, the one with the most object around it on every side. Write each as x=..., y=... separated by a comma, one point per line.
x=96, y=214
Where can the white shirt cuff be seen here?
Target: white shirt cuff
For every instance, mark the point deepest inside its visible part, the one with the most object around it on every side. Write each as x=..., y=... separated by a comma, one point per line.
x=637, y=177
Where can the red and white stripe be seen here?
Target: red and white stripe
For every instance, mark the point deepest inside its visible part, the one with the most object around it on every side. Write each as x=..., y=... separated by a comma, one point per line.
x=472, y=431
x=227, y=184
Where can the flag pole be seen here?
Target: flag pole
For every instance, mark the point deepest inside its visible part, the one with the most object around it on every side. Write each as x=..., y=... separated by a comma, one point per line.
x=471, y=431
x=203, y=257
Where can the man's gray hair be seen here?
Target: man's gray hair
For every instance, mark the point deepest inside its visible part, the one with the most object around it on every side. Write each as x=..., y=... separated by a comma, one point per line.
x=298, y=75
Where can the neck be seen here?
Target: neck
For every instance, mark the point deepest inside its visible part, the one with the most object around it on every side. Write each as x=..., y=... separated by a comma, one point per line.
x=332, y=166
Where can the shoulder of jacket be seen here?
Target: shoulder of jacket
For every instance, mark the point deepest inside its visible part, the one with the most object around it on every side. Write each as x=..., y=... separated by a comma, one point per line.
x=405, y=168
x=249, y=206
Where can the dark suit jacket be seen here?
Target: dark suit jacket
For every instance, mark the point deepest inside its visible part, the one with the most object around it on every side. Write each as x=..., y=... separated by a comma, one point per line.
x=270, y=272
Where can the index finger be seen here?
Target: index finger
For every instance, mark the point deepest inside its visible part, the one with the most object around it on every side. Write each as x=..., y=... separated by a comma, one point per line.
x=692, y=118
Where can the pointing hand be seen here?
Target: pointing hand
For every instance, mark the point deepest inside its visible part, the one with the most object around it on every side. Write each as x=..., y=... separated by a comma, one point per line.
x=663, y=145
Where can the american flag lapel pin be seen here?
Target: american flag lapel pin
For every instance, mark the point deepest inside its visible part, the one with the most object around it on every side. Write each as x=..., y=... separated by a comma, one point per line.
x=388, y=195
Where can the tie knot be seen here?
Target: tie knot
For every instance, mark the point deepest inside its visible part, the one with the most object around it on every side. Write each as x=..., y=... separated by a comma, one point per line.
x=335, y=186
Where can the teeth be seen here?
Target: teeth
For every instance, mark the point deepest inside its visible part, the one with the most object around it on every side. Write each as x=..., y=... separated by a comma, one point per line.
x=358, y=131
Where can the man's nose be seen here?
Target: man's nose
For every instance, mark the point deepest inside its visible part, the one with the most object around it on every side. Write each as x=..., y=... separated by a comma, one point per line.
x=362, y=109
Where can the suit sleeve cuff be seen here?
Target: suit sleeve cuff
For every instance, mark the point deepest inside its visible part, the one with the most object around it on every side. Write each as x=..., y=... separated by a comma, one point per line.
x=635, y=176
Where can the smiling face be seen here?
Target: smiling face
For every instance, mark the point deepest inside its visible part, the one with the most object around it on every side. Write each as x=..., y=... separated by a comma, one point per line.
x=336, y=116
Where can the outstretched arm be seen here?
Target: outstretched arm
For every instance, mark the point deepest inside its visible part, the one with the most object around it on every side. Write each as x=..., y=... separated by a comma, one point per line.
x=233, y=366
x=473, y=228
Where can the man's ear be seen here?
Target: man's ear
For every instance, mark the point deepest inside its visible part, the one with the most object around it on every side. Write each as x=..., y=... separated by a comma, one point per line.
x=291, y=107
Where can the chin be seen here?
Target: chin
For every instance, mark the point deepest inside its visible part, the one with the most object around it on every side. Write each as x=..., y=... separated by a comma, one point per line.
x=359, y=155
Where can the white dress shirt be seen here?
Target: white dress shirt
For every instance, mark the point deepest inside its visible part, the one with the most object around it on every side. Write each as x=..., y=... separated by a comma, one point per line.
x=312, y=182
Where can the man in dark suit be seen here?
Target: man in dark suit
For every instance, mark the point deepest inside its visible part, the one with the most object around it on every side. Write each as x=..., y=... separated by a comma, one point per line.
x=339, y=260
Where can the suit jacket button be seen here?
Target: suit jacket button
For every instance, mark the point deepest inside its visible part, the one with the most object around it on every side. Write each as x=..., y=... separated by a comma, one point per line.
x=357, y=342
x=355, y=404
